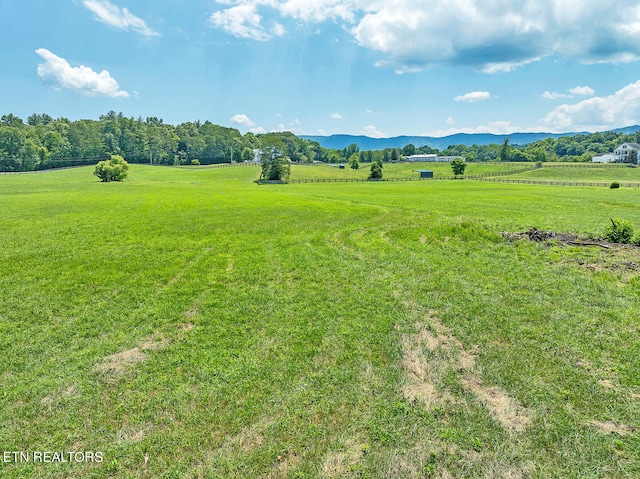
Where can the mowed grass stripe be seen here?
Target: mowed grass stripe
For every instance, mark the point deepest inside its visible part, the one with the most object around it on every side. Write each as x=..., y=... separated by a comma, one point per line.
x=296, y=299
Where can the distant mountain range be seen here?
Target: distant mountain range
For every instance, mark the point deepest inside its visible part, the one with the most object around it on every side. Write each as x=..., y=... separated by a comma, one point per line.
x=338, y=142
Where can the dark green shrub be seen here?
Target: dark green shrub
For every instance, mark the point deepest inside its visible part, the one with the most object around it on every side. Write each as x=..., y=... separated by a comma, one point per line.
x=619, y=231
x=458, y=166
x=615, y=184
x=115, y=169
x=376, y=171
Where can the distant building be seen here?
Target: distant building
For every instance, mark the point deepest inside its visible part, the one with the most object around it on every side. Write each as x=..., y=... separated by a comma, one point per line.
x=604, y=158
x=431, y=158
x=619, y=155
x=623, y=151
x=424, y=173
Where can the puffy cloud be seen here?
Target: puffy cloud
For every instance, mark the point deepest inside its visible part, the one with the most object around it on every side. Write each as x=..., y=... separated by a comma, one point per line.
x=474, y=96
x=498, y=35
x=336, y=116
x=241, y=21
x=317, y=10
x=278, y=30
x=242, y=119
x=372, y=132
x=117, y=17
x=579, y=90
x=57, y=72
x=489, y=35
x=598, y=113
x=552, y=95
x=582, y=90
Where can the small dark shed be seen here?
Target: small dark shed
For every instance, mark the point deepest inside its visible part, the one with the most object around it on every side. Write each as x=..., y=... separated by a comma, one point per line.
x=425, y=173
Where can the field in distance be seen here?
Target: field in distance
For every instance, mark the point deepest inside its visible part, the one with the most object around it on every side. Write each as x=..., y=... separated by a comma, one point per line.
x=401, y=170
x=191, y=323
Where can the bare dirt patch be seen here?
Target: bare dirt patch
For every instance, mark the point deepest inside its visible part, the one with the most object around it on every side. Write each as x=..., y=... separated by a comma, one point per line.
x=132, y=434
x=186, y=326
x=338, y=463
x=154, y=343
x=418, y=386
x=52, y=400
x=506, y=410
x=249, y=438
x=427, y=354
x=116, y=364
x=610, y=427
x=286, y=462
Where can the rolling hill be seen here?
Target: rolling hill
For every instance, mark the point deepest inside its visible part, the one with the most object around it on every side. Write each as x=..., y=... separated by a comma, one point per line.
x=339, y=142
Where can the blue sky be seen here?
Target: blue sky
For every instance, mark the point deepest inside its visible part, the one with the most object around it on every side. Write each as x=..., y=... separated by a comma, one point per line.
x=379, y=68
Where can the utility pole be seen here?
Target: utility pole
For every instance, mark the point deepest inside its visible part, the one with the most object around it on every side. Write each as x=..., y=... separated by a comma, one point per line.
x=231, y=155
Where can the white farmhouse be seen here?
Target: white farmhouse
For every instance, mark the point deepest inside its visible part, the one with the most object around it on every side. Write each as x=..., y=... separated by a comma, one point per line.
x=619, y=155
x=623, y=152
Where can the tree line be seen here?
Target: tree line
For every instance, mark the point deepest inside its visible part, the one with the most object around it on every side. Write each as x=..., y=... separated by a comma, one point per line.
x=576, y=148
x=42, y=142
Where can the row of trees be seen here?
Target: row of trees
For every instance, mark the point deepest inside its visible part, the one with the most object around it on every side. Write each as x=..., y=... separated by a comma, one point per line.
x=43, y=142
x=577, y=148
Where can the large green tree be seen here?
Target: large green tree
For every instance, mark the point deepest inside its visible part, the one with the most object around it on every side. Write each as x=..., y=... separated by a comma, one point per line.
x=458, y=167
x=276, y=166
x=505, y=151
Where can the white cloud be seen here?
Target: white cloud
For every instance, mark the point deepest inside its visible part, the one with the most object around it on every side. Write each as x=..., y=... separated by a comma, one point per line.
x=598, y=113
x=579, y=90
x=242, y=119
x=552, y=95
x=474, y=96
x=57, y=72
x=582, y=90
x=489, y=35
x=257, y=130
x=278, y=30
x=450, y=121
x=322, y=132
x=372, y=132
x=117, y=17
x=317, y=10
x=336, y=116
x=241, y=21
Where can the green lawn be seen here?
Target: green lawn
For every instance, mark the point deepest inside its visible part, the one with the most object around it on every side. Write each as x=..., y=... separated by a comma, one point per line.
x=192, y=324
x=400, y=170
x=583, y=173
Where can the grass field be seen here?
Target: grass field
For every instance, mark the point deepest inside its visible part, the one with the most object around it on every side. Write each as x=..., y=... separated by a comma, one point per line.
x=400, y=170
x=192, y=324
x=583, y=173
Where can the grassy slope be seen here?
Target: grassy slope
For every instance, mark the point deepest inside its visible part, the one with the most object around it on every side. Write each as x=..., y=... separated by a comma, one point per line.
x=304, y=300
x=582, y=173
x=399, y=170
